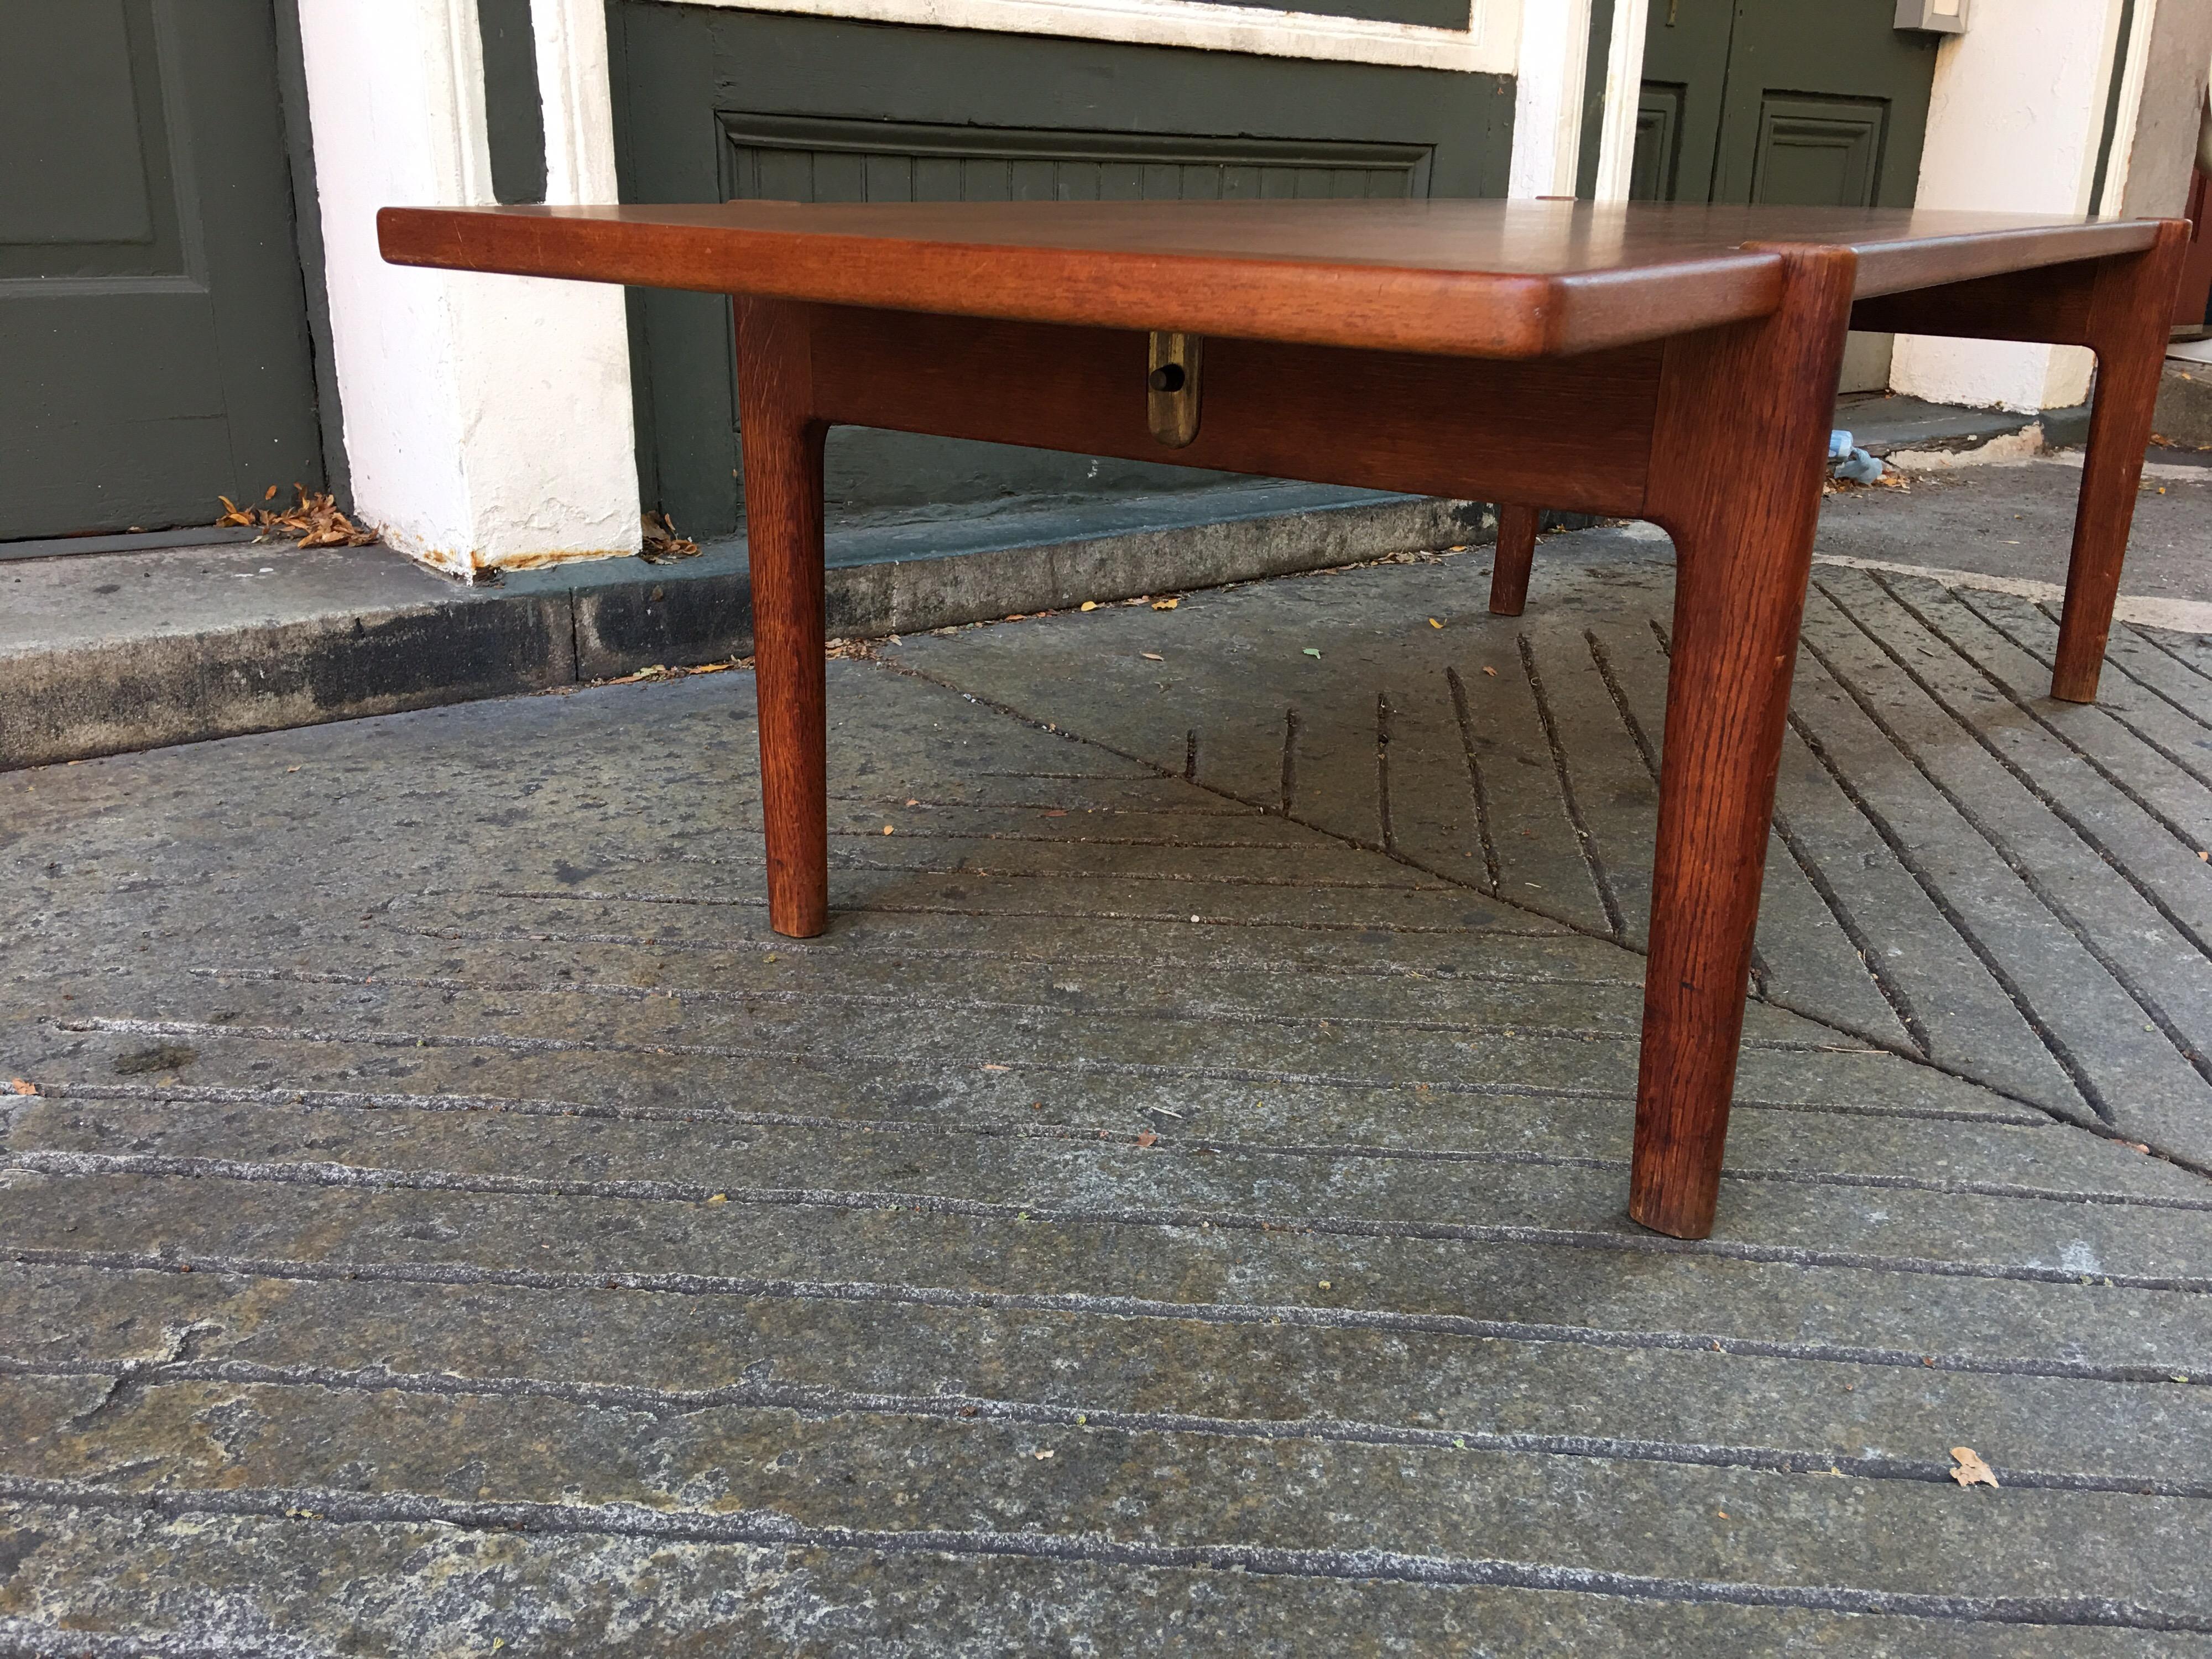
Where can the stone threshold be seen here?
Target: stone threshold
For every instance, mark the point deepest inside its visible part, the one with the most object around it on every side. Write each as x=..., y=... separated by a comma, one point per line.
x=126, y=650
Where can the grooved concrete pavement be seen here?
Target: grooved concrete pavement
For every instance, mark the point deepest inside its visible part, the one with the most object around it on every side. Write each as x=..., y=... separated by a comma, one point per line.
x=1178, y=1203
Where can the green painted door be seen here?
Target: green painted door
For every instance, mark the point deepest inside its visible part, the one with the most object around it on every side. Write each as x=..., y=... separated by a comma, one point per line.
x=153, y=321
x=1781, y=101
x=715, y=103
x=1786, y=102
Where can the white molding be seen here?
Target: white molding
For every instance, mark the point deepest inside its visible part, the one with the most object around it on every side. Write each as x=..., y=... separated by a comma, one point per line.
x=1624, y=90
x=1547, y=98
x=576, y=92
x=2129, y=99
x=488, y=419
x=1488, y=45
x=461, y=126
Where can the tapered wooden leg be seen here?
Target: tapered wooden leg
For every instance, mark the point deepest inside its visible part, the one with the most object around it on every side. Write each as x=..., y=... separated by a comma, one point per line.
x=783, y=444
x=1517, y=551
x=2131, y=315
x=1738, y=451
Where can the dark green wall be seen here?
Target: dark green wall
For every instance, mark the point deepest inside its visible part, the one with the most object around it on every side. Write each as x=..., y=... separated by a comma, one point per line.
x=712, y=103
x=514, y=114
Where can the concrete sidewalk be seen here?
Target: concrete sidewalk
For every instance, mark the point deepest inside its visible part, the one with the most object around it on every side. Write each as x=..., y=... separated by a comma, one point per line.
x=1179, y=1203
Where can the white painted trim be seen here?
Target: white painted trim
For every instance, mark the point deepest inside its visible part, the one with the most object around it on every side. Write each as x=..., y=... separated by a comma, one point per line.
x=488, y=419
x=463, y=129
x=576, y=92
x=1623, y=91
x=1547, y=98
x=1487, y=45
x=2130, y=99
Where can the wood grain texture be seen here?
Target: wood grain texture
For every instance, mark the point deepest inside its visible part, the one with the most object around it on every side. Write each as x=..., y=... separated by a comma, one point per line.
x=1738, y=457
x=783, y=441
x=1574, y=433
x=1517, y=553
x=1464, y=278
x=2127, y=329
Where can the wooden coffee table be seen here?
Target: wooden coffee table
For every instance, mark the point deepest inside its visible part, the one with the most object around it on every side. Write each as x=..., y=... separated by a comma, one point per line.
x=1676, y=364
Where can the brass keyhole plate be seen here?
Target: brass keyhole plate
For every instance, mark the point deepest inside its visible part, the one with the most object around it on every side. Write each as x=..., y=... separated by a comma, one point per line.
x=1171, y=387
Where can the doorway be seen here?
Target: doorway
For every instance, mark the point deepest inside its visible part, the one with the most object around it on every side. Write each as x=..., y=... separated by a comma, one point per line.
x=153, y=316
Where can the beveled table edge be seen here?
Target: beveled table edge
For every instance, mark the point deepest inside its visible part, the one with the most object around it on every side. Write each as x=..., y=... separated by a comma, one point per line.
x=1478, y=313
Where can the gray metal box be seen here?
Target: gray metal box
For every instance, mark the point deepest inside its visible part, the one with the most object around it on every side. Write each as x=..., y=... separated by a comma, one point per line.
x=1935, y=16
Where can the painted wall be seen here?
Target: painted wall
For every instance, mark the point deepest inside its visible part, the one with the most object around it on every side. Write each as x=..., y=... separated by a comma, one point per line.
x=2014, y=122
x=488, y=419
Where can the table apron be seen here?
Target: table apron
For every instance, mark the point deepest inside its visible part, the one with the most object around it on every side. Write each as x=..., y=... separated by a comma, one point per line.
x=1572, y=433
x=2052, y=304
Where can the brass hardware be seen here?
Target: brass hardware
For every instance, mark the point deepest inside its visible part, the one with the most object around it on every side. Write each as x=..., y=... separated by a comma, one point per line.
x=1171, y=373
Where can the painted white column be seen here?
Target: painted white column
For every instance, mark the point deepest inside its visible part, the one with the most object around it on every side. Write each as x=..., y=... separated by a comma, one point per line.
x=578, y=95
x=1624, y=94
x=2013, y=124
x=488, y=419
x=1547, y=97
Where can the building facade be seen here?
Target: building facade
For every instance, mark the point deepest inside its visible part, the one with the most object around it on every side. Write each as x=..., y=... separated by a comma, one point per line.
x=190, y=226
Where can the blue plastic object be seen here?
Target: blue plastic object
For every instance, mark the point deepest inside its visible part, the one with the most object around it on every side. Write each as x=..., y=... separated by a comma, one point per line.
x=1851, y=463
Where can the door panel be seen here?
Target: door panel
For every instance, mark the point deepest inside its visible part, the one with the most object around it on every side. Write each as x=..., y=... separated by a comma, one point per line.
x=1823, y=151
x=712, y=103
x=1655, y=168
x=152, y=315
x=1685, y=62
x=1817, y=80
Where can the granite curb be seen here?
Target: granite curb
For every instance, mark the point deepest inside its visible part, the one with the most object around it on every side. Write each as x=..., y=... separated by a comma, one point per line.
x=112, y=653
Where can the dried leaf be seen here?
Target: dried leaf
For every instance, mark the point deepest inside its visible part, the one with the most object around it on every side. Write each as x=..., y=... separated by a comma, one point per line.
x=1148, y=1138
x=1089, y=604
x=663, y=545
x=19, y=1086
x=1152, y=656
x=1166, y=605
x=315, y=520
x=1971, y=1471
x=1488, y=670
x=1433, y=622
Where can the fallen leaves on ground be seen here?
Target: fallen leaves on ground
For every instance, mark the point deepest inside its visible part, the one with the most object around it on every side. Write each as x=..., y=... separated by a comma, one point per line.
x=1971, y=1471
x=314, y=520
x=1310, y=652
x=1152, y=656
x=18, y=1085
x=1166, y=605
x=663, y=545
x=661, y=671
x=1147, y=1139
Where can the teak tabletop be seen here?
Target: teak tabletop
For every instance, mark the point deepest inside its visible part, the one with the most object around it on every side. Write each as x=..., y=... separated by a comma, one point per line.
x=1677, y=364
